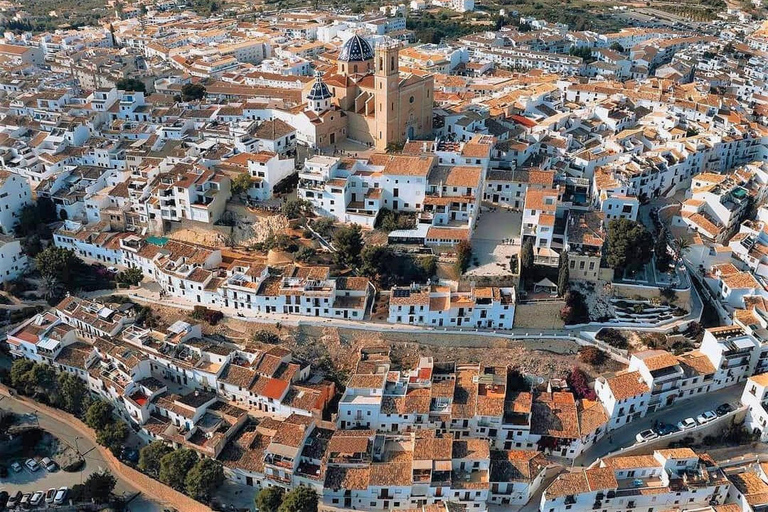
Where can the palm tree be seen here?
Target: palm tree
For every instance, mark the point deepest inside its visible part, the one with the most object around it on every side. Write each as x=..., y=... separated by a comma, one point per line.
x=681, y=246
x=54, y=289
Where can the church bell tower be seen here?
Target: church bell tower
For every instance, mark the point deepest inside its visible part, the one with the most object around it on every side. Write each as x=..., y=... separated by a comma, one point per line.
x=387, y=84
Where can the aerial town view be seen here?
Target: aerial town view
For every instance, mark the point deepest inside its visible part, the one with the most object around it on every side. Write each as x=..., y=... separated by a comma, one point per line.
x=432, y=256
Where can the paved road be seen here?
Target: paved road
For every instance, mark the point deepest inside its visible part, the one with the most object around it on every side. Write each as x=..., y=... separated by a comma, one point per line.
x=41, y=480
x=625, y=436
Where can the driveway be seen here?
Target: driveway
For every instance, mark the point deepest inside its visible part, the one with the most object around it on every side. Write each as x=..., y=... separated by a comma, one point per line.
x=625, y=435
x=41, y=480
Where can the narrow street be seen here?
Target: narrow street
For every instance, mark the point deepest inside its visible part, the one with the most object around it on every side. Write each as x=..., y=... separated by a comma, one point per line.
x=625, y=436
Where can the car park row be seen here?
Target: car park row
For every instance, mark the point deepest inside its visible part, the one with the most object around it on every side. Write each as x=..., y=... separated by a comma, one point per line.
x=663, y=429
x=20, y=500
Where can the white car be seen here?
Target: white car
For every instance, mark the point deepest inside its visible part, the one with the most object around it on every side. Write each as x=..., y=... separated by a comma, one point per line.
x=61, y=495
x=16, y=467
x=37, y=498
x=112, y=270
x=48, y=464
x=32, y=465
x=646, y=435
x=686, y=424
x=706, y=417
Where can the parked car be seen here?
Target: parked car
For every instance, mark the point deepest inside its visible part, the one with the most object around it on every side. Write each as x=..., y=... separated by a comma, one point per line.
x=49, y=464
x=706, y=417
x=664, y=429
x=646, y=435
x=37, y=498
x=24, y=501
x=50, y=495
x=15, y=466
x=112, y=270
x=14, y=499
x=3, y=499
x=723, y=409
x=686, y=424
x=32, y=465
x=61, y=495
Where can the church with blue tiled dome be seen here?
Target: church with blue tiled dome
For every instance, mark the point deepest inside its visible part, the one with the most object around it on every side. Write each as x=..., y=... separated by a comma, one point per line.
x=368, y=99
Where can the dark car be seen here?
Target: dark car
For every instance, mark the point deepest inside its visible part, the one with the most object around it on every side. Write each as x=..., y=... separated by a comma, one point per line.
x=3, y=499
x=664, y=429
x=14, y=500
x=723, y=409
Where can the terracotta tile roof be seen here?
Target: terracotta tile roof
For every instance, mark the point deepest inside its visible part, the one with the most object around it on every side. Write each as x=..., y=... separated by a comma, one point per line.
x=516, y=465
x=657, y=359
x=472, y=449
x=391, y=474
x=627, y=384
x=555, y=415
x=404, y=165
x=348, y=478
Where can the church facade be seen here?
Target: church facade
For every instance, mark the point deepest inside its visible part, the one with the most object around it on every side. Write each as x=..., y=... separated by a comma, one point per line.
x=368, y=100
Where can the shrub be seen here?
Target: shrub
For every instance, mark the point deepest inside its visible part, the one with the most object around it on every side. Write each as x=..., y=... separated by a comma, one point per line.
x=613, y=337
x=304, y=254
x=592, y=356
x=209, y=316
x=579, y=384
x=575, y=310
x=264, y=336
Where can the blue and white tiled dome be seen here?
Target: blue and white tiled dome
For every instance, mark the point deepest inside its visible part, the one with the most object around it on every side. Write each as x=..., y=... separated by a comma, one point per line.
x=356, y=49
x=319, y=90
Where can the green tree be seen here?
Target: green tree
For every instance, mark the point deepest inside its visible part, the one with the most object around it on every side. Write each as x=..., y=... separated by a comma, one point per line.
x=463, y=256
x=661, y=254
x=300, y=499
x=682, y=245
x=269, y=499
x=204, y=478
x=192, y=92
x=175, y=466
x=112, y=436
x=21, y=375
x=98, y=415
x=72, y=393
x=305, y=254
x=323, y=226
x=526, y=257
x=563, y=274
x=241, y=183
x=295, y=208
x=35, y=217
x=131, y=84
x=630, y=245
x=150, y=456
x=265, y=336
x=58, y=263
x=130, y=277
x=32, y=245
x=348, y=242
x=98, y=486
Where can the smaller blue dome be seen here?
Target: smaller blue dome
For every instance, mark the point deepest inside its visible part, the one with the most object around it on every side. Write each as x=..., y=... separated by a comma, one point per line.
x=319, y=90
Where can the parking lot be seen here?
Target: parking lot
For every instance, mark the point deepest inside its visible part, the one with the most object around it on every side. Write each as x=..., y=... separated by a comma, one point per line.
x=27, y=481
